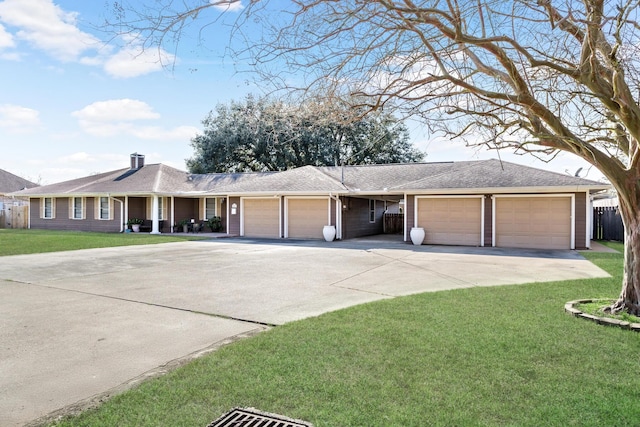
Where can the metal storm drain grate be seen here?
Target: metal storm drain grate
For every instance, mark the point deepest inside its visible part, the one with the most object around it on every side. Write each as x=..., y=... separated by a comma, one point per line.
x=250, y=417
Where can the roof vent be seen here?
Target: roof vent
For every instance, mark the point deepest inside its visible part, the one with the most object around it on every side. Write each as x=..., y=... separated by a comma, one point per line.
x=137, y=161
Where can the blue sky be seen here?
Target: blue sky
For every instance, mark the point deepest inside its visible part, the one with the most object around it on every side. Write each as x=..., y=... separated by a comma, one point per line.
x=75, y=101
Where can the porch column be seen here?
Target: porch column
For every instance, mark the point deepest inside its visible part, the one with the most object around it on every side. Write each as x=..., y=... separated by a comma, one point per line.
x=173, y=213
x=125, y=220
x=155, y=221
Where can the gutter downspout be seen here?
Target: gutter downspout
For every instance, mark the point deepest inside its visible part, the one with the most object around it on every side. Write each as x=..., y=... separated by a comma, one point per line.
x=338, y=216
x=121, y=212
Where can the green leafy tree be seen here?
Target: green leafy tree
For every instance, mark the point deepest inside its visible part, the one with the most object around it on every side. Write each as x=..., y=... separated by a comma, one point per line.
x=264, y=135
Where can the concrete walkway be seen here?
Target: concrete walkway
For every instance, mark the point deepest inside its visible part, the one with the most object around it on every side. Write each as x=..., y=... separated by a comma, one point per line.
x=76, y=325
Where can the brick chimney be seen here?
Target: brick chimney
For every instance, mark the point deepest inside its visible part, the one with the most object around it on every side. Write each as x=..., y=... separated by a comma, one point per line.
x=137, y=161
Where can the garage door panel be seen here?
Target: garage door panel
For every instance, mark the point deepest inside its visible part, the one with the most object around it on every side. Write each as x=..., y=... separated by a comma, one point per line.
x=533, y=222
x=306, y=218
x=450, y=221
x=262, y=218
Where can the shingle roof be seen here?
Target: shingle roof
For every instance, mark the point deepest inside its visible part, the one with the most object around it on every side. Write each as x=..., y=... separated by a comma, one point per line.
x=494, y=174
x=399, y=178
x=153, y=178
x=378, y=177
x=219, y=181
x=10, y=182
x=306, y=179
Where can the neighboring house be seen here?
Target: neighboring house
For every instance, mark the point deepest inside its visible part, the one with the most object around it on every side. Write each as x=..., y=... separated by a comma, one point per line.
x=474, y=203
x=14, y=211
x=10, y=183
x=608, y=200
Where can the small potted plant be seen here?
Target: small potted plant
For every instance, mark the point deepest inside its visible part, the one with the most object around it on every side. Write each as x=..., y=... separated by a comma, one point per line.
x=135, y=224
x=215, y=224
x=184, y=225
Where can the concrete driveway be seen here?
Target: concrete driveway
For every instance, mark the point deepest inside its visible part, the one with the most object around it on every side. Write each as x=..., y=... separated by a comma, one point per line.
x=78, y=326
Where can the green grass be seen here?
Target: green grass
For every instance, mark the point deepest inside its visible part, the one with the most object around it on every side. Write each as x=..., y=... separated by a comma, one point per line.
x=17, y=242
x=597, y=306
x=499, y=356
x=612, y=263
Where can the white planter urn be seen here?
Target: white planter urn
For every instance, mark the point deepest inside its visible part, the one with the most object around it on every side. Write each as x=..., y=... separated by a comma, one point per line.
x=135, y=228
x=417, y=235
x=329, y=232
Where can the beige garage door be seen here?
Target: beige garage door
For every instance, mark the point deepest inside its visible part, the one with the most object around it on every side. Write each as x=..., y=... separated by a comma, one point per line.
x=454, y=221
x=261, y=217
x=307, y=217
x=533, y=222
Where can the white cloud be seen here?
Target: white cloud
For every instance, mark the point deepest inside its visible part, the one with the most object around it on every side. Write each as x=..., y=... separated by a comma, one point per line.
x=116, y=110
x=133, y=61
x=227, y=5
x=76, y=165
x=121, y=117
x=6, y=39
x=80, y=158
x=158, y=133
x=47, y=27
x=12, y=56
x=18, y=119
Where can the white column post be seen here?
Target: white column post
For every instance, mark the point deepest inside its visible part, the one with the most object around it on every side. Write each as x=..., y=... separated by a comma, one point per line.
x=155, y=221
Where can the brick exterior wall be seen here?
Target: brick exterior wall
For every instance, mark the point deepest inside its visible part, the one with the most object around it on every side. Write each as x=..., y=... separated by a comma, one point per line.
x=488, y=220
x=63, y=222
x=409, y=214
x=234, y=220
x=355, y=219
x=580, y=222
x=186, y=208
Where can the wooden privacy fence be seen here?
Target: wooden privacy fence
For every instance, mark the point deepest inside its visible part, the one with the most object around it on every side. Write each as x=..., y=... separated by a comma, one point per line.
x=607, y=224
x=393, y=223
x=14, y=217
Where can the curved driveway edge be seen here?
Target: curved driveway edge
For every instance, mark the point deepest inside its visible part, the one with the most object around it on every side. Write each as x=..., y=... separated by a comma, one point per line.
x=76, y=324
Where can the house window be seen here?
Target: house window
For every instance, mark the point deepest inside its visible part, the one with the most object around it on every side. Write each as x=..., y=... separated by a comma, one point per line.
x=160, y=208
x=47, y=208
x=104, y=208
x=210, y=207
x=372, y=210
x=77, y=208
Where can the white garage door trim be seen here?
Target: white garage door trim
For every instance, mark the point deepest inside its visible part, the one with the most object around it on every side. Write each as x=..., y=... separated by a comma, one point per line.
x=512, y=196
x=416, y=203
x=286, y=209
x=242, y=200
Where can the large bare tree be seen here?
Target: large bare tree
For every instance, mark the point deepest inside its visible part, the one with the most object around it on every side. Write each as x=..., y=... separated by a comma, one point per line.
x=533, y=76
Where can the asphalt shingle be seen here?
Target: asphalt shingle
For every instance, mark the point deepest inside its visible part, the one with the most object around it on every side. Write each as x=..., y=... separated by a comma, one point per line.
x=494, y=174
x=10, y=182
x=399, y=178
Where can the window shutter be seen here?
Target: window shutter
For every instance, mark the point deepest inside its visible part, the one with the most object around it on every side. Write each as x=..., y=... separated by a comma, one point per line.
x=70, y=199
x=149, y=206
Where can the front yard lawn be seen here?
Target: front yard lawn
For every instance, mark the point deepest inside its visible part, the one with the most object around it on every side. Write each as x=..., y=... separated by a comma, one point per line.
x=494, y=356
x=18, y=242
